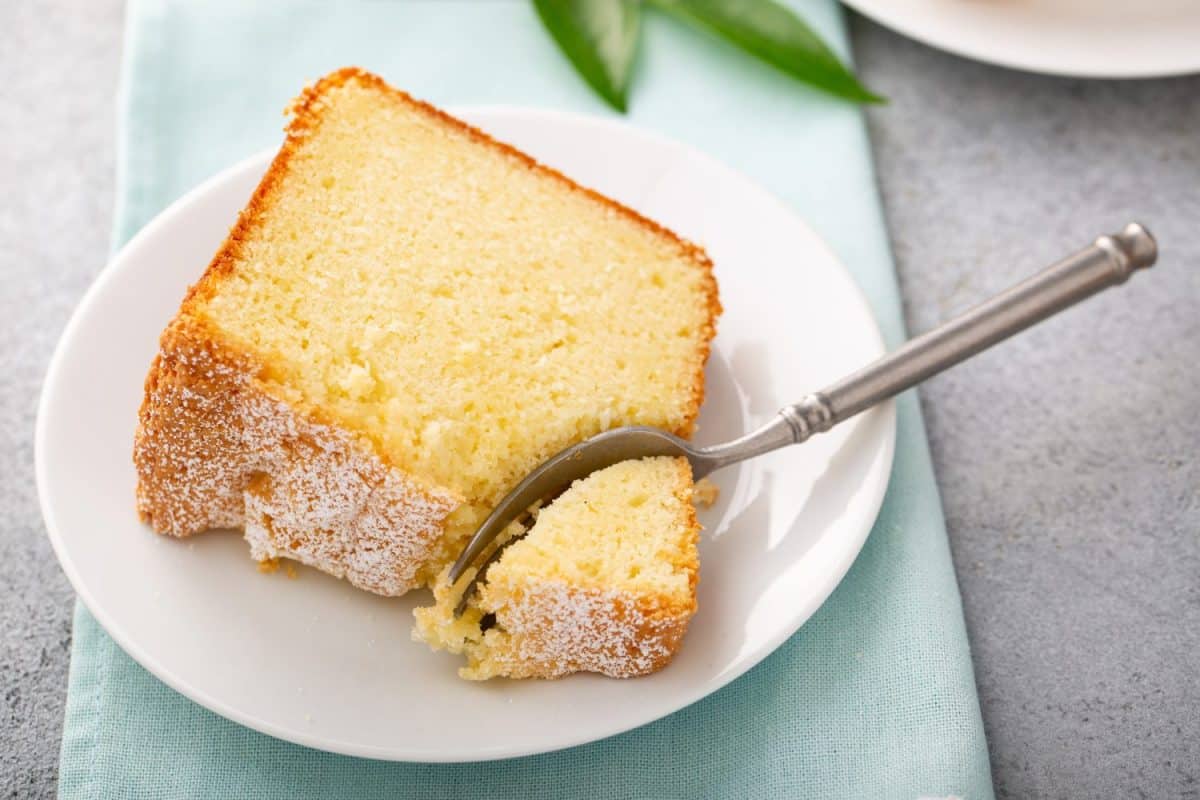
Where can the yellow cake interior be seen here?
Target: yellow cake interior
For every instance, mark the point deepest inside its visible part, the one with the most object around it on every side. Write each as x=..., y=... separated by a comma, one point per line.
x=470, y=316
x=624, y=537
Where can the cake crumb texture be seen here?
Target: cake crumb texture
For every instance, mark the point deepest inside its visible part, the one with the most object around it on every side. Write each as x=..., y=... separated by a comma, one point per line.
x=605, y=581
x=706, y=493
x=406, y=319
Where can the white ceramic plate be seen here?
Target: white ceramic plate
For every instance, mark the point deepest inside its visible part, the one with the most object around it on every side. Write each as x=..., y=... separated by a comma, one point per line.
x=1082, y=38
x=317, y=662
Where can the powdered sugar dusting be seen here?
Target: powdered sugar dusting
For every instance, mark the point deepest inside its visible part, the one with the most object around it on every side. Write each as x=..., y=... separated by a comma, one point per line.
x=214, y=449
x=552, y=629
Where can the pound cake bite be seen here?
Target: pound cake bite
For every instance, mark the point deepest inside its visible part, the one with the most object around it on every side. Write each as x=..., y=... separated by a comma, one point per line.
x=604, y=581
x=407, y=317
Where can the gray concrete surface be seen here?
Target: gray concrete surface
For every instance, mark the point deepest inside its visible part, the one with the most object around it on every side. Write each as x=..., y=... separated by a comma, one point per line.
x=1067, y=459
x=56, y=168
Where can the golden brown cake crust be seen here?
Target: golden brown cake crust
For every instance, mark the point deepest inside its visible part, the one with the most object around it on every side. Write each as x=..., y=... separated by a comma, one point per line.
x=553, y=629
x=216, y=446
x=558, y=630
x=215, y=449
x=306, y=116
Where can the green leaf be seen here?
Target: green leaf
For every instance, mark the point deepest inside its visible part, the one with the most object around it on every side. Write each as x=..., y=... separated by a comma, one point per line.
x=775, y=34
x=599, y=37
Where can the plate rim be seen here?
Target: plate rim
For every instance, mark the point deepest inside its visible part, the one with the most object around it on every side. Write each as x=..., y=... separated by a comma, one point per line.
x=179, y=207
x=878, y=12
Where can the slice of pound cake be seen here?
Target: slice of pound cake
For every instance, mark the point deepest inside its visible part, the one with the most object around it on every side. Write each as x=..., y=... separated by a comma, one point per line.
x=605, y=581
x=407, y=317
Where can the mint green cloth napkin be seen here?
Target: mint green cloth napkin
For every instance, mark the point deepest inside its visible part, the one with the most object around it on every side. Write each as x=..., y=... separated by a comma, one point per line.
x=873, y=698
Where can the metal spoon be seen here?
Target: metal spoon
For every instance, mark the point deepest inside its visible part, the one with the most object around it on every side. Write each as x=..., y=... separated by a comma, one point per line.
x=1109, y=261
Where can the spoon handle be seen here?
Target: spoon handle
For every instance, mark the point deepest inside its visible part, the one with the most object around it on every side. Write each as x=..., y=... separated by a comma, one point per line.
x=1109, y=261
